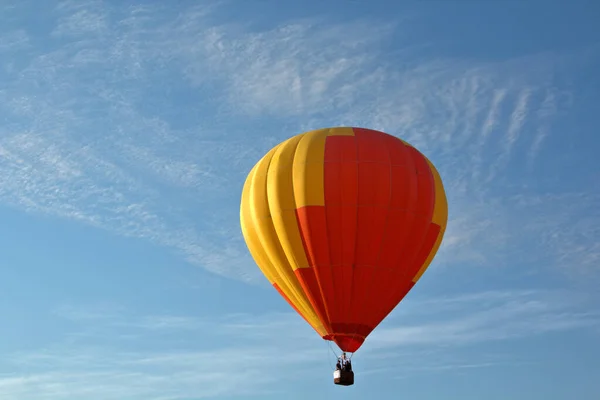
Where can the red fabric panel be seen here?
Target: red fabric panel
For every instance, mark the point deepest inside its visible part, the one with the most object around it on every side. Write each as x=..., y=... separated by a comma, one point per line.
x=341, y=191
x=371, y=237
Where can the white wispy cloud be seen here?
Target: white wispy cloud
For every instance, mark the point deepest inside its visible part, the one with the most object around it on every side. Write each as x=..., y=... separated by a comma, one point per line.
x=545, y=232
x=545, y=114
x=144, y=121
x=119, y=355
x=115, y=353
x=491, y=316
x=569, y=239
x=518, y=117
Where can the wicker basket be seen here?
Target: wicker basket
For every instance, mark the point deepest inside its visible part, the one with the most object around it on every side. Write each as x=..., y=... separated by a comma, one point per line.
x=344, y=378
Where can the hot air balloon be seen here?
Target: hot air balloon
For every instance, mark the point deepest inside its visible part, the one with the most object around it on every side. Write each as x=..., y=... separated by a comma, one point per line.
x=343, y=222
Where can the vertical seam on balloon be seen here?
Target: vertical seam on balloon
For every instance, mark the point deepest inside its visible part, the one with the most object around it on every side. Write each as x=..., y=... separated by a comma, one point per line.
x=345, y=305
x=315, y=266
x=352, y=286
x=419, y=197
x=336, y=303
x=342, y=307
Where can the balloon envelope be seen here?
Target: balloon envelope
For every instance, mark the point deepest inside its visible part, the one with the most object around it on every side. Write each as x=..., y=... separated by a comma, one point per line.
x=343, y=222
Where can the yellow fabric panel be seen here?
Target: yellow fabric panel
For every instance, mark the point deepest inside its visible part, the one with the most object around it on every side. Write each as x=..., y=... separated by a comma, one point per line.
x=308, y=166
x=249, y=232
x=340, y=131
x=263, y=242
x=308, y=179
x=280, y=189
x=440, y=217
x=440, y=209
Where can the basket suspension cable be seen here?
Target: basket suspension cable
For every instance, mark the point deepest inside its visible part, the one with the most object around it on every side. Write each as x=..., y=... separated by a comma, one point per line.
x=333, y=351
x=329, y=360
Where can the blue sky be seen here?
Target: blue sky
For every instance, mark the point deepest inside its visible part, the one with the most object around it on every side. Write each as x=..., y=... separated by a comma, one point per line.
x=127, y=132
